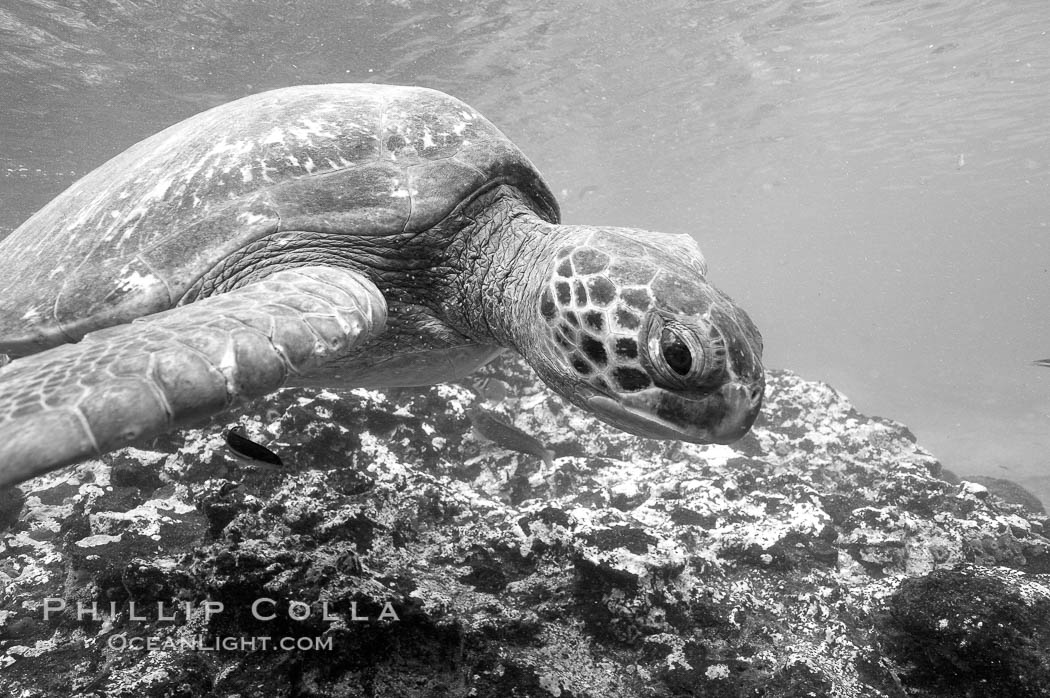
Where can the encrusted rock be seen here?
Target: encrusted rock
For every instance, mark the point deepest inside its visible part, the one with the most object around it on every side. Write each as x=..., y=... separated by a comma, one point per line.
x=404, y=556
x=985, y=629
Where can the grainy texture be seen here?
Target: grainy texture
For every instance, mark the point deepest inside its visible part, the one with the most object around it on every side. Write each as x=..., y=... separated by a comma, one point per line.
x=792, y=564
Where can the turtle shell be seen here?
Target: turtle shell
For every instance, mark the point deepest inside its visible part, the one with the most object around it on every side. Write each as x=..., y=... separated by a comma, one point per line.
x=137, y=235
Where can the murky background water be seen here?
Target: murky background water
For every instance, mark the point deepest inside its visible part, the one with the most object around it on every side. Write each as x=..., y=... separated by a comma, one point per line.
x=871, y=180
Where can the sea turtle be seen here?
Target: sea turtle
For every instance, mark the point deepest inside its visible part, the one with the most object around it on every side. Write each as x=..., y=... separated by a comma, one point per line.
x=344, y=235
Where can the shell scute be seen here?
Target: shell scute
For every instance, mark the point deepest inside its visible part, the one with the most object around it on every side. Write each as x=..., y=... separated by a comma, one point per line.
x=428, y=185
x=424, y=127
x=370, y=198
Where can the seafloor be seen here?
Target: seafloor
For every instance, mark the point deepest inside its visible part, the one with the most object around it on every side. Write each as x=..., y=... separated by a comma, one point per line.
x=826, y=554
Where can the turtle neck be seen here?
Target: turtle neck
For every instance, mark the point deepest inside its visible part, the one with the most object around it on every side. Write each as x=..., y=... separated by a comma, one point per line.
x=502, y=259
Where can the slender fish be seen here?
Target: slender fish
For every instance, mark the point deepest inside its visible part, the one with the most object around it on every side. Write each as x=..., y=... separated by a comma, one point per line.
x=507, y=435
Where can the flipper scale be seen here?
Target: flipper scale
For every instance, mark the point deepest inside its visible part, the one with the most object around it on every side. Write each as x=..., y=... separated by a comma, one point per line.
x=165, y=370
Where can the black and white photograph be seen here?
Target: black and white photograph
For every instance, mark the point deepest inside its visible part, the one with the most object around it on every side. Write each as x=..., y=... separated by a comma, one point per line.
x=504, y=349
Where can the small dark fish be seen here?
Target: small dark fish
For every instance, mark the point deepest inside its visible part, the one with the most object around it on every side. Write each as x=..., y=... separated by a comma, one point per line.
x=1042, y=362
x=245, y=448
x=507, y=435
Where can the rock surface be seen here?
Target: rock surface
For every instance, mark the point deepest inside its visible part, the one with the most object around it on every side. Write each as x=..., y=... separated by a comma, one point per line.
x=403, y=556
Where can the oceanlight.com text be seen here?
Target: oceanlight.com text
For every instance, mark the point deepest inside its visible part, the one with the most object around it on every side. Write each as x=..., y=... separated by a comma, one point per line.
x=200, y=643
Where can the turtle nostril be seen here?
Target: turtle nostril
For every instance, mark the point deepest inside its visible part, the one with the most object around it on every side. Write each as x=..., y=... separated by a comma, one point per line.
x=756, y=394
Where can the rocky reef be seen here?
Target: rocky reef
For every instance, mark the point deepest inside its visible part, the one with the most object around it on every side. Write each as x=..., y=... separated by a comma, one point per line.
x=397, y=554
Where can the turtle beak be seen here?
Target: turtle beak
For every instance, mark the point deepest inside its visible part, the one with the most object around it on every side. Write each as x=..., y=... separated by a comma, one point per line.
x=720, y=417
x=739, y=406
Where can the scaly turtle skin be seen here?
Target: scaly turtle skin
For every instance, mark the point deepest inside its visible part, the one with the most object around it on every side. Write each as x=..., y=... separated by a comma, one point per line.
x=354, y=235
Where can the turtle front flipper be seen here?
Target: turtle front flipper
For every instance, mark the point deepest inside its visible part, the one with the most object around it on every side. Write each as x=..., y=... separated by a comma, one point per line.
x=169, y=369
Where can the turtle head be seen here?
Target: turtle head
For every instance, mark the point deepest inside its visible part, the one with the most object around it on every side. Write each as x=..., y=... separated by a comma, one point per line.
x=632, y=331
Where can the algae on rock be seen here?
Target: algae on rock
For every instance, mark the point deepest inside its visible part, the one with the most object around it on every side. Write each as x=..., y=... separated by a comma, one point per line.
x=411, y=558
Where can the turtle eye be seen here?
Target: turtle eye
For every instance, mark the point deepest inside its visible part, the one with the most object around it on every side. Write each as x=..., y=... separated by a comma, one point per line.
x=675, y=352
